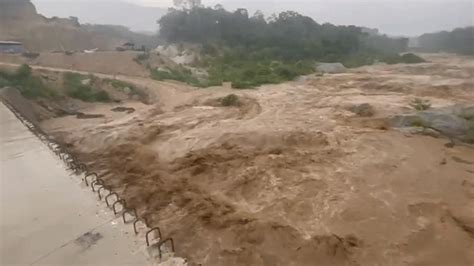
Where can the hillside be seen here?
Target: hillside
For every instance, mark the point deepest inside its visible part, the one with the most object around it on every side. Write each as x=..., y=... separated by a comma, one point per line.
x=21, y=22
x=138, y=18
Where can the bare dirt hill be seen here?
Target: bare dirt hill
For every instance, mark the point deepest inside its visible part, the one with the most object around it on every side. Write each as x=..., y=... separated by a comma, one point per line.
x=105, y=62
x=115, y=63
x=21, y=22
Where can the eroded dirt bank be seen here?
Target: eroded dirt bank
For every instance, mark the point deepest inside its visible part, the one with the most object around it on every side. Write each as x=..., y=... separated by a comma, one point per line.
x=290, y=176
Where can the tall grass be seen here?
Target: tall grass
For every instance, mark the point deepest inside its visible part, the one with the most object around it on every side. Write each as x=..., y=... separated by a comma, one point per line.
x=28, y=85
x=73, y=83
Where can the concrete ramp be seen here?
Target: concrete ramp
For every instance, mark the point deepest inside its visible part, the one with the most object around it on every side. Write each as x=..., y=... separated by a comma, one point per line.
x=47, y=217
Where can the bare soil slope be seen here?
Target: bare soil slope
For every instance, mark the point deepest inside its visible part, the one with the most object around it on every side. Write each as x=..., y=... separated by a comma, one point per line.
x=115, y=63
x=20, y=22
x=289, y=176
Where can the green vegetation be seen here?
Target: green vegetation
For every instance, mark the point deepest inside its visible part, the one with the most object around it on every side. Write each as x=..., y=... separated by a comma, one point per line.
x=460, y=40
x=230, y=100
x=180, y=74
x=468, y=116
x=244, y=72
x=470, y=132
x=78, y=89
x=241, y=71
x=249, y=51
x=29, y=86
x=139, y=59
x=118, y=84
x=122, y=86
x=420, y=104
x=408, y=58
x=420, y=123
x=185, y=75
x=358, y=60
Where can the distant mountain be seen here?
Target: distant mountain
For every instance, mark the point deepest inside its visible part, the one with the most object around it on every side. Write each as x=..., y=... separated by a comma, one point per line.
x=135, y=17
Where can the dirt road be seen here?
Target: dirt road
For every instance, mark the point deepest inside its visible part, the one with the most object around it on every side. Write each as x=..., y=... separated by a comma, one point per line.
x=167, y=94
x=290, y=175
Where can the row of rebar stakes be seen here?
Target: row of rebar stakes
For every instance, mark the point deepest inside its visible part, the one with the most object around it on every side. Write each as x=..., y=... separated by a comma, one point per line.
x=93, y=180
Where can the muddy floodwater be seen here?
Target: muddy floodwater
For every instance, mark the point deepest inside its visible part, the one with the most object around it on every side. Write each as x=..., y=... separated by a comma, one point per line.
x=301, y=173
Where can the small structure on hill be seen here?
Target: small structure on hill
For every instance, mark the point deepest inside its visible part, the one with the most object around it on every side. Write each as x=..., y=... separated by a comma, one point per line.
x=10, y=47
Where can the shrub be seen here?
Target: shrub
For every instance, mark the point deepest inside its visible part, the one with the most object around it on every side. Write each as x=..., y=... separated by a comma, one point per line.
x=419, y=123
x=420, y=104
x=4, y=82
x=75, y=89
x=358, y=60
x=410, y=58
x=242, y=71
x=23, y=72
x=180, y=74
x=240, y=84
x=470, y=132
x=230, y=100
x=118, y=84
x=251, y=72
x=102, y=96
x=391, y=59
x=468, y=116
x=28, y=85
x=121, y=85
x=31, y=55
x=141, y=57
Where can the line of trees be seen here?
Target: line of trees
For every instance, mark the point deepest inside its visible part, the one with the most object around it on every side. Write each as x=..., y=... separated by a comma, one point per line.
x=460, y=40
x=288, y=35
x=250, y=50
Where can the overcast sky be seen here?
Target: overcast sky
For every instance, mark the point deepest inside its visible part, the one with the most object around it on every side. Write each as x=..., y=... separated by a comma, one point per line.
x=394, y=17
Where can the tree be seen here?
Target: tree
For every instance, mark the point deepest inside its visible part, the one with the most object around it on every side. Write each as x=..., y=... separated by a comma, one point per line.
x=460, y=40
x=258, y=16
x=218, y=7
x=249, y=50
x=187, y=4
x=287, y=36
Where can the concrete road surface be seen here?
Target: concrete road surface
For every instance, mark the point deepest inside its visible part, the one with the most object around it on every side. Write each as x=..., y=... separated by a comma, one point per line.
x=47, y=216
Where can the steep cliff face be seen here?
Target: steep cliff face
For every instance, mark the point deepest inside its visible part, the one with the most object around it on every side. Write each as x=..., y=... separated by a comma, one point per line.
x=21, y=22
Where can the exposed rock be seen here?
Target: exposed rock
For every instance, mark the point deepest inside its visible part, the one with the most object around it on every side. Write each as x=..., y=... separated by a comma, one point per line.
x=451, y=121
x=88, y=116
x=364, y=109
x=331, y=68
x=178, y=54
x=163, y=69
x=199, y=73
x=421, y=131
x=129, y=110
x=86, y=82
